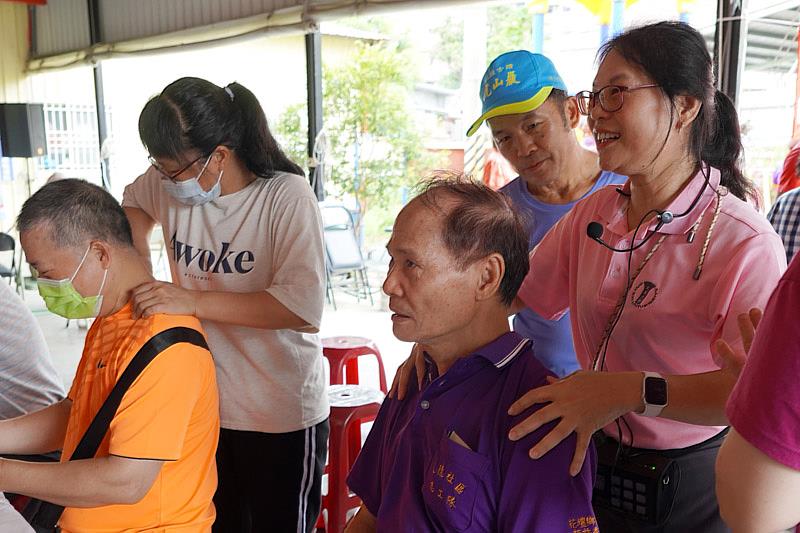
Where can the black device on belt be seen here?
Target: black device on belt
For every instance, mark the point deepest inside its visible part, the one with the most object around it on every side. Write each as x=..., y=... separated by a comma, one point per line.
x=640, y=483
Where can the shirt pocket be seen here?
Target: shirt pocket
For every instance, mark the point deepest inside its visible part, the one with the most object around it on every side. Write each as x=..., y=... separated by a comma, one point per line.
x=454, y=477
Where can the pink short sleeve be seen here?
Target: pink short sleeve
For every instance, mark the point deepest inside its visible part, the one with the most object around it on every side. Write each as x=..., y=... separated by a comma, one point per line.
x=747, y=282
x=546, y=287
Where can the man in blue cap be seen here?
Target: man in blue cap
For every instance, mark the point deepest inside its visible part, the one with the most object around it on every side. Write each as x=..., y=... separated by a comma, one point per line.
x=532, y=119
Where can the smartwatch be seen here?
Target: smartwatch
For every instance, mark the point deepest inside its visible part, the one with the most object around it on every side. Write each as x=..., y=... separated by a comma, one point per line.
x=654, y=394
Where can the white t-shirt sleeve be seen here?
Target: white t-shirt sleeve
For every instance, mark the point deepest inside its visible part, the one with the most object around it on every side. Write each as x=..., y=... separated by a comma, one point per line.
x=28, y=380
x=10, y=520
x=298, y=261
x=145, y=193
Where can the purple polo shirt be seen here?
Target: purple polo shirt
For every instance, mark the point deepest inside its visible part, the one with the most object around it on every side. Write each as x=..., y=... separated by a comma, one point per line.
x=441, y=460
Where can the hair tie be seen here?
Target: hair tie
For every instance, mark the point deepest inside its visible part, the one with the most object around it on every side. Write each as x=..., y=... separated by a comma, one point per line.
x=230, y=92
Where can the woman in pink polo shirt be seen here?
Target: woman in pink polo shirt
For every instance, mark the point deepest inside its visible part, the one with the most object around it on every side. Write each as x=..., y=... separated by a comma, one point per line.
x=654, y=273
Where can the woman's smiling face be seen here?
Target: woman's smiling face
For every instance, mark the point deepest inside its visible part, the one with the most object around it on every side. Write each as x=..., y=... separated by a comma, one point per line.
x=630, y=140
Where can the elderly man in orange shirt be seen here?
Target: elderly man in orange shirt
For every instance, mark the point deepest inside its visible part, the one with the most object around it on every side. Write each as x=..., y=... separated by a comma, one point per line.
x=155, y=469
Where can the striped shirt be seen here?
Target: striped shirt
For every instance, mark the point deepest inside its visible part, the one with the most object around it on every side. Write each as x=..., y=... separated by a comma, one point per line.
x=28, y=380
x=785, y=218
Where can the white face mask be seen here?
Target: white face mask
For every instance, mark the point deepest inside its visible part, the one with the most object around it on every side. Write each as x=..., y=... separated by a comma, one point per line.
x=190, y=192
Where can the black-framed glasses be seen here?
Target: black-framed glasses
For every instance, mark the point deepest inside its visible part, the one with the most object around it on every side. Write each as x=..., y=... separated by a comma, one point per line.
x=609, y=97
x=175, y=174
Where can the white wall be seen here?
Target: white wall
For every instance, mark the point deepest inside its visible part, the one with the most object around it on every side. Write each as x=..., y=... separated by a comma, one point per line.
x=15, y=87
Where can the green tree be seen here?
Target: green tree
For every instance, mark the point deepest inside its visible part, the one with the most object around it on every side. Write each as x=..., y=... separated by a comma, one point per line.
x=374, y=148
x=369, y=124
x=450, y=50
x=291, y=132
x=510, y=28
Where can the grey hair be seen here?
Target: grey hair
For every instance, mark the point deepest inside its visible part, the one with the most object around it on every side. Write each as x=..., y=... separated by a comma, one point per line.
x=477, y=222
x=76, y=212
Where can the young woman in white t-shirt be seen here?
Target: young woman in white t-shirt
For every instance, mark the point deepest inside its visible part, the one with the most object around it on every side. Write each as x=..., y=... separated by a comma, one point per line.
x=244, y=240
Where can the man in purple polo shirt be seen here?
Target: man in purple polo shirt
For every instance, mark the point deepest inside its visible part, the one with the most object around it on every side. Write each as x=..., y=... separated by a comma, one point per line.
x=441, y=459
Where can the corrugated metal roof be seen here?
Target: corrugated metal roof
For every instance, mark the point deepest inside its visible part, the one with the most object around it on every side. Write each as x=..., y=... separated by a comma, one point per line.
x=60, y=26
x=130, y=26
x=771, y=35
x=772, y=41
x=123, y=20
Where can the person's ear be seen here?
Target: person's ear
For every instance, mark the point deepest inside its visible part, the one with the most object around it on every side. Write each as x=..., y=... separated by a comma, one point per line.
x=102, y=251
x=222, y=154
x=688, y=107
x=571, y=113
x=491, y=270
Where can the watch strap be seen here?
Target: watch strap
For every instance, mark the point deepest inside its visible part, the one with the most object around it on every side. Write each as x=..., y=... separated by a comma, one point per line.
x=651, y=409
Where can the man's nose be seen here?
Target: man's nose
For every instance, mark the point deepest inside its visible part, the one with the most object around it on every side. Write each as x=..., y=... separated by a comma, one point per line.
x=526, y=144
x=390, y=285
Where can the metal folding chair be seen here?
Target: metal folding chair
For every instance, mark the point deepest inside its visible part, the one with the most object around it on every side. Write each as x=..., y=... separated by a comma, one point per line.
x=346, y=269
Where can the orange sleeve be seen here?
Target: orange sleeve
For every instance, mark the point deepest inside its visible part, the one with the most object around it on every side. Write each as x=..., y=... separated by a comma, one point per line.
x=154, y=415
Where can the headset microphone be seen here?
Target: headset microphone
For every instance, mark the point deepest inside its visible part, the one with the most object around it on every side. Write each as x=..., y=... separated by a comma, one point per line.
x=595, y=231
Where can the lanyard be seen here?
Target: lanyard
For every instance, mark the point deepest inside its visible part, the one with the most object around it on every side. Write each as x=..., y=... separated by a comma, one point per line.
x=621, y=302
x=615, y=315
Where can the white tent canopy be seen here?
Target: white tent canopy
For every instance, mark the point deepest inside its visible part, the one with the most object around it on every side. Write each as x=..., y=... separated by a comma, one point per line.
x=61, y=29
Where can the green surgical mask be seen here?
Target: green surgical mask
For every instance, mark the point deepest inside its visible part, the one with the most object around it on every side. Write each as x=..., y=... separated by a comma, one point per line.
x=63, y=299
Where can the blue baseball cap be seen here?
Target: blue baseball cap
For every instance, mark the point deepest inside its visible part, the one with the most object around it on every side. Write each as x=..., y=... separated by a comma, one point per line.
x=516, y=82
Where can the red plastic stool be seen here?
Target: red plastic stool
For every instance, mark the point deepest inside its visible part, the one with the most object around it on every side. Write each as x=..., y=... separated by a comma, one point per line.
x=351, y=406
x=343, y=352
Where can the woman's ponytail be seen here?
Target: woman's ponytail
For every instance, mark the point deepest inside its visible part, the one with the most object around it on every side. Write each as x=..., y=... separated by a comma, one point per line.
x=257, y=148
x=195, y=114
x=722, y=148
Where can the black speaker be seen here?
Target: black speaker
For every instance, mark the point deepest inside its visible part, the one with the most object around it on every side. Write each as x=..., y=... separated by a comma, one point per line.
x=22, y=130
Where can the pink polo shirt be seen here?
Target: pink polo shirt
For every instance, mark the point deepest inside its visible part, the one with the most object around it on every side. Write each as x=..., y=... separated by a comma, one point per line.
x=670, y=320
